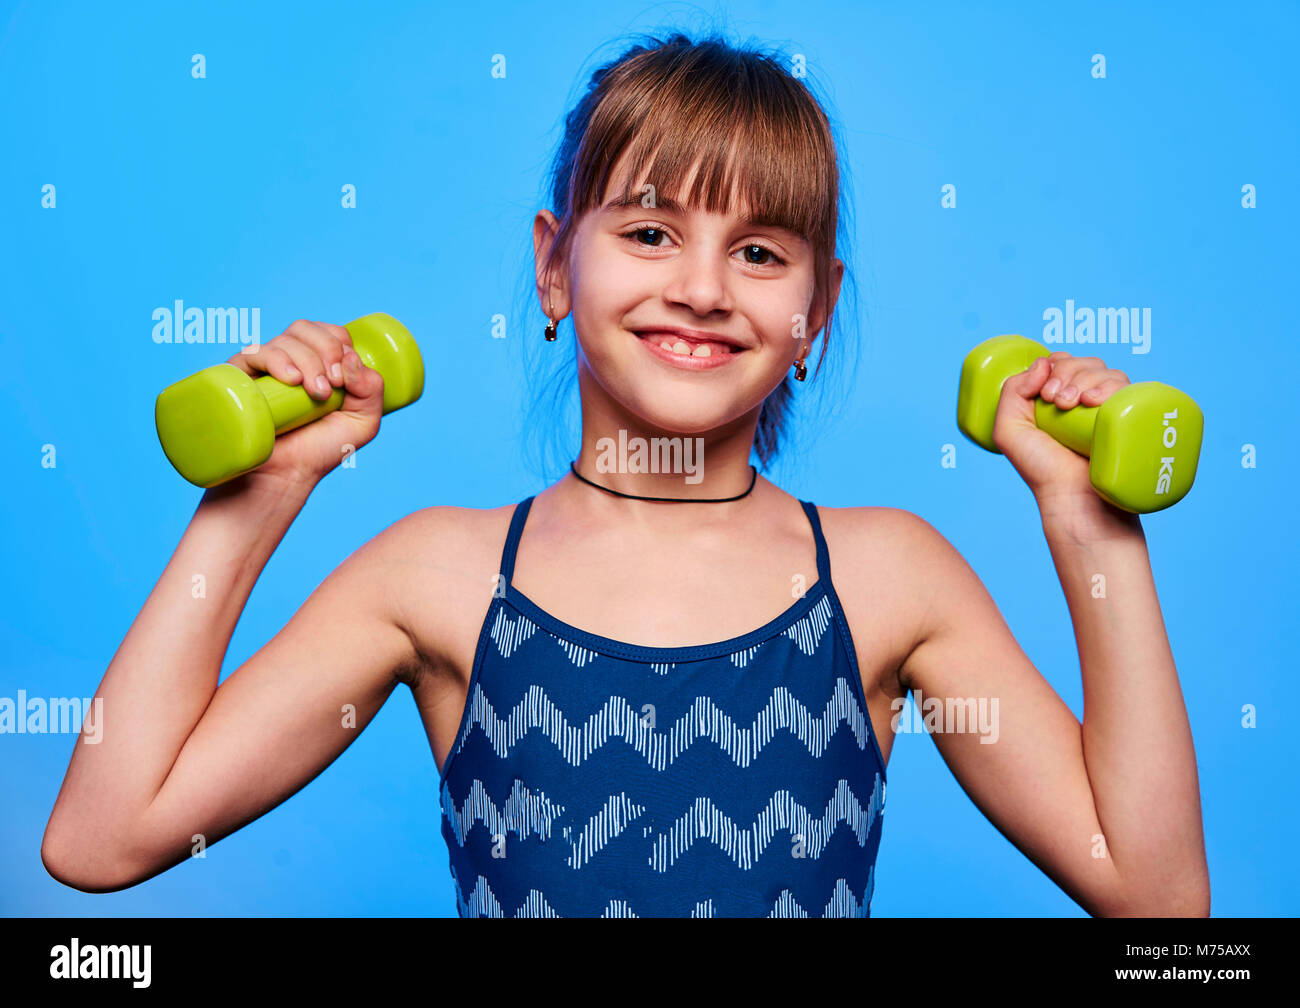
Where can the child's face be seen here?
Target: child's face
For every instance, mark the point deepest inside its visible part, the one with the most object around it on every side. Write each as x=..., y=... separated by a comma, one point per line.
x=637, y=269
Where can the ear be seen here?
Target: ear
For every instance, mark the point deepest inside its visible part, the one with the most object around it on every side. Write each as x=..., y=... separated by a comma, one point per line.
x=551, y=287
x=817, y=314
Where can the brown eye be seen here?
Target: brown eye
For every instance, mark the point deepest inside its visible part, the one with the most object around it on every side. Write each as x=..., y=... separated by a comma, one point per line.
x=654, y=232
x=760, y=250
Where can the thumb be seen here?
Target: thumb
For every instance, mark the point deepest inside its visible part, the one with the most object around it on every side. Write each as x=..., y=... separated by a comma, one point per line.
x=356, y=421
x=363, y=387
x=1015, y=411
x=1030, y=382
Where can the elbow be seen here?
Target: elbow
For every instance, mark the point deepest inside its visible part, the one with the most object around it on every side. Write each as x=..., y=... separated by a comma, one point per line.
x=1191, y=902
x=73, y=866
x=1189, y=898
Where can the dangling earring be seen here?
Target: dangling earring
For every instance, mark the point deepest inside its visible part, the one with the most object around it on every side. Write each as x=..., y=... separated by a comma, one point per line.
x=800, y=371
x=551, y=324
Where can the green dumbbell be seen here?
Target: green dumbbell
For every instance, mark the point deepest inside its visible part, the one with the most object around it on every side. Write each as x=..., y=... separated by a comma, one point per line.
x=1143, y=443
x=219, y=422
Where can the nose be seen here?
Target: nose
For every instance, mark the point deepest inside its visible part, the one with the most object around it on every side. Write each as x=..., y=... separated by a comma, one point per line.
x=700, y=280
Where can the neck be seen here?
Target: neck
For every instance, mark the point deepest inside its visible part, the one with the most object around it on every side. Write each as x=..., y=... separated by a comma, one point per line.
x=662, y=469
x=676, y=518
x=630, y=457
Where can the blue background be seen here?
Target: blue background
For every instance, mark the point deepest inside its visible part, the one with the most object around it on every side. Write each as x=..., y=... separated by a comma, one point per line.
x=225, y=191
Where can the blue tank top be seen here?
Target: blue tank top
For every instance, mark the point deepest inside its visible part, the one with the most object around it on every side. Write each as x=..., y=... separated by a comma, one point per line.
x=594, y=778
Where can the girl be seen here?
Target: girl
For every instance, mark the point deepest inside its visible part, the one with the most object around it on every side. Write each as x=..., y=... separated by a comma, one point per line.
x=621, y=724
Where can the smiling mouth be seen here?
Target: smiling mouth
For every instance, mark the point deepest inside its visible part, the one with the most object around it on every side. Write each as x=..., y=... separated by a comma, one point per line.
x=686, y=346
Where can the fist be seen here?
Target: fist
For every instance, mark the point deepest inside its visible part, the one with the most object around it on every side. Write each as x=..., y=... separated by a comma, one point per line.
x=320, y=357
x=1048, y=467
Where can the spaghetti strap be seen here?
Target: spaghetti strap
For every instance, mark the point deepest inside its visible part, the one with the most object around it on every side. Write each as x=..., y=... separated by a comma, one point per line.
x=517, y=520
x=823, y=554
x=507, y=567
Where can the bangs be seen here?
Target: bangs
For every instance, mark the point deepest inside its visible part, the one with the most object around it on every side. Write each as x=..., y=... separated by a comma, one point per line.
x=757, y=145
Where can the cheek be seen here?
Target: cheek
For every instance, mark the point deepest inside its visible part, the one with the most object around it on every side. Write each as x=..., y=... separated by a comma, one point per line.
x=603, y=285
x=783, y=317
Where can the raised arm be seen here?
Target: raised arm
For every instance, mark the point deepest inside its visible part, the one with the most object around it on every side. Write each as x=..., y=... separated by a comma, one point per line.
x=1110, y=808
x=179, y=758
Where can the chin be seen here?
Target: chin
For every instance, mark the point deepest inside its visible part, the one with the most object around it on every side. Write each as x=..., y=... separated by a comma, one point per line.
x=684, y=418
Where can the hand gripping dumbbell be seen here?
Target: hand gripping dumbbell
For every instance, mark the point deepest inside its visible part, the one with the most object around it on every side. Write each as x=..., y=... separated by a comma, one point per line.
x=1142, y=443
x=220, y=422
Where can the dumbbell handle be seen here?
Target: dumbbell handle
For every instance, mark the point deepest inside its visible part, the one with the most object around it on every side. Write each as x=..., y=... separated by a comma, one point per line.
x=292, y=406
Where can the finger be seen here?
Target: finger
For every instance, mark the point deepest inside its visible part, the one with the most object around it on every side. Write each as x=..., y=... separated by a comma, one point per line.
x=1070, y=366
x=308, y=363
x=361, y=382
x=272, y=359
x=1097, y=394
x=326, y=345
x=1027, y=383
x=1082, y=383
x=339, y=331
x=339, y=340
x=1065, y=373
x=1015, y=411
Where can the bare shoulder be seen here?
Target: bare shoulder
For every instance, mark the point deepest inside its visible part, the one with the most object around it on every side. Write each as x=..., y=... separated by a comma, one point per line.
x=887, y=532
x=437, y=566
x=439, y=525
x=439, y=535
x=884, y=563
x=914, y=547
x=871, y=521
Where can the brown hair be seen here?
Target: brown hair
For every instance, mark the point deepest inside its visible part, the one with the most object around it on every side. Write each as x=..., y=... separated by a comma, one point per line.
x=756, y=132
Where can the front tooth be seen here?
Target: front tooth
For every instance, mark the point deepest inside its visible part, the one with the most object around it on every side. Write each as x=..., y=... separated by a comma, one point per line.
x=703, y=350
x=681, y=347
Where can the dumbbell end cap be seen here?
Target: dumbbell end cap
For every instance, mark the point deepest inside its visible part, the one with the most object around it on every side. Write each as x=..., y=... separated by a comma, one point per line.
x=983, y=373
x=388, y=347
x=1146, y=447
x=214, y=425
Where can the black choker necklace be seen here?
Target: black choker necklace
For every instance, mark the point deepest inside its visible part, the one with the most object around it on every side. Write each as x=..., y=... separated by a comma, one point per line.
x=681, y=500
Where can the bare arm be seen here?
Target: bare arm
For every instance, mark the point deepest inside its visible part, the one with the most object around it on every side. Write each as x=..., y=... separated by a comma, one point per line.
x=177, y=756
x=1109, y=810
x=180, y=757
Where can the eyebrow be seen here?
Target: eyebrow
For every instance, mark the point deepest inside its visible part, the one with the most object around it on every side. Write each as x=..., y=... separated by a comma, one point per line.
x=670, y=205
